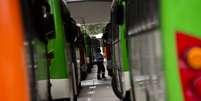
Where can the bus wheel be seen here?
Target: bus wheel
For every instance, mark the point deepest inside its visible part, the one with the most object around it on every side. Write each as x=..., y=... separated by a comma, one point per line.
x=116, y=87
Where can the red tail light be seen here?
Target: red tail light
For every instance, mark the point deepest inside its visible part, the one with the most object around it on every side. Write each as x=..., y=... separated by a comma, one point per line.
x=189, y=58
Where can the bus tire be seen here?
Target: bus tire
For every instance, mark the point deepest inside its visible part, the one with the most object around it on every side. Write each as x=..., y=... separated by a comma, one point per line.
x=118, y=93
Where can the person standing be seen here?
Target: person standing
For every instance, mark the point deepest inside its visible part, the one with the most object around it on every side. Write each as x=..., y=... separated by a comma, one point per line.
x=99, y=61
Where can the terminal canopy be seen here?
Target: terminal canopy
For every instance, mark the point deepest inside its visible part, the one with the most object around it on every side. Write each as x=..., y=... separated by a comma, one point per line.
x=89, y=11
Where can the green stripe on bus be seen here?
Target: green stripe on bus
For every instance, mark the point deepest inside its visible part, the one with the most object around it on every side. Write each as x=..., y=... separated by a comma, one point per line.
x=59, y=66
x=174, y=90
x=123, y=44
x=87, y=48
